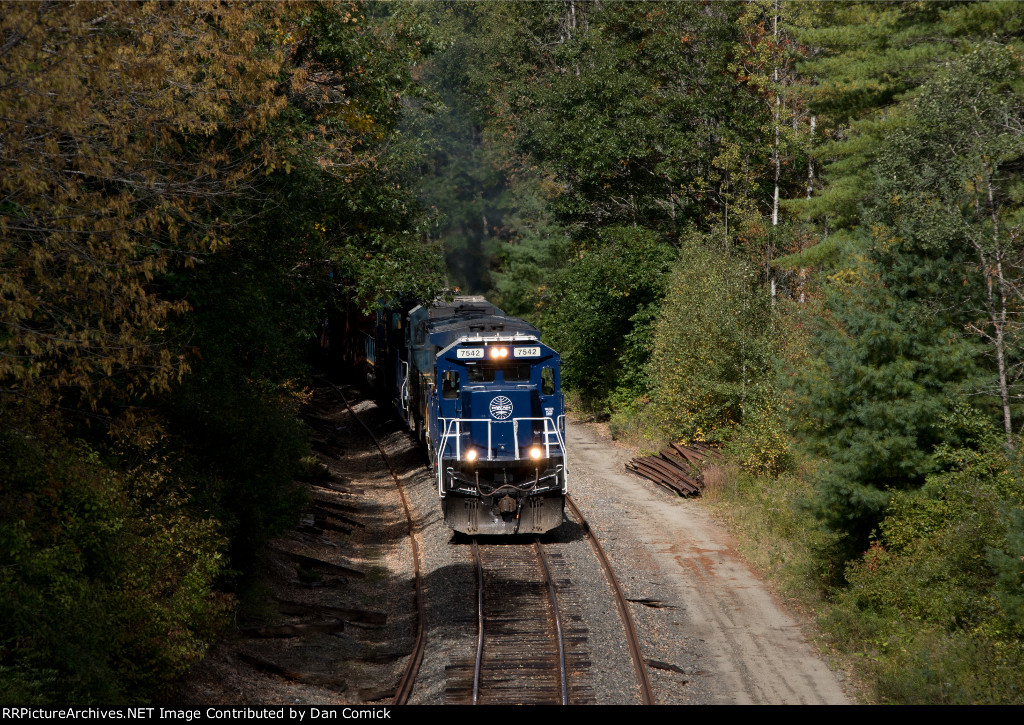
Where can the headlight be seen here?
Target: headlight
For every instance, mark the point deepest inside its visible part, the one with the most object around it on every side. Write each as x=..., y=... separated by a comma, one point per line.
x=535, y=453
x=471, y=455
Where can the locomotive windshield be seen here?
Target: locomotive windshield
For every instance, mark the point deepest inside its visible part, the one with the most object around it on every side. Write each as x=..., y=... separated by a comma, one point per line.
x=512, y=373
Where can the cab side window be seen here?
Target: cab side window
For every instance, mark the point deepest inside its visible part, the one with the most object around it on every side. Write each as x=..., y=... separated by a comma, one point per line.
x=450, y=384
x=547, y=381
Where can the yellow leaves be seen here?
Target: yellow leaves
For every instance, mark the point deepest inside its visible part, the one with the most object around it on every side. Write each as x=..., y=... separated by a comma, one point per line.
x=355, y=120
x=100, y=117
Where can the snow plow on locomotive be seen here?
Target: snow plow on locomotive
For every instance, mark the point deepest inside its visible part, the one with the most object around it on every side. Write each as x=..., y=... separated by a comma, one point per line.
x=482, y=392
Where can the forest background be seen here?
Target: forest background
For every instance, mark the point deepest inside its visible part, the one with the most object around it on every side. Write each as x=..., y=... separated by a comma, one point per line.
x=792, y=230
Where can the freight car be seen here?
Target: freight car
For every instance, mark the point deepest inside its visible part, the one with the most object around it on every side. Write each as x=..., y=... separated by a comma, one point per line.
x=483, y=394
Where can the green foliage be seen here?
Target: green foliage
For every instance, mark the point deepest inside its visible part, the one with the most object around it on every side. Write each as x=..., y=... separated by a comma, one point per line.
x=864, y=58
x=893, y=358
x=522, y=284
x=597, y=301
x=1007, y=562
x=711, y=369
x=489, y=199
x=929, y=560
x=625, y=108
x=953, y=181
x=106, y=575
x=348, y=195
x=925, y=597
x=465, y=182
x=890, y=360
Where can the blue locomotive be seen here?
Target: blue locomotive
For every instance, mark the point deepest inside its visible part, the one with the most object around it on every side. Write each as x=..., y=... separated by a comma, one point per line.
x=483, y=393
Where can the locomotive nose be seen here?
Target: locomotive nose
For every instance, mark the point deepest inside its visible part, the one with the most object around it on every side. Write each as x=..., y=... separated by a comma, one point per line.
x=495, y=426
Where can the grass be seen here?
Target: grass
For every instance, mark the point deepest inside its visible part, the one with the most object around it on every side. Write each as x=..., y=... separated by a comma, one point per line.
x=777, y=533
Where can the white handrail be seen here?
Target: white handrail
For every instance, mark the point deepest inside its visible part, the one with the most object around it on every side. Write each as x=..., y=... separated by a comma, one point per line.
x=550, y=427
x=453, y=429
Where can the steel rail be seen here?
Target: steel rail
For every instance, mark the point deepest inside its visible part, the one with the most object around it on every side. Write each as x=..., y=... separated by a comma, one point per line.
x=478, y=665
x=558, y=617
x=479, y=622
x=405, y=685
x=646, y=693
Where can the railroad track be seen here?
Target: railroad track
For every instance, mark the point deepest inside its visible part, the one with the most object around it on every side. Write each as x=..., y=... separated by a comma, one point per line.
x=524, y=652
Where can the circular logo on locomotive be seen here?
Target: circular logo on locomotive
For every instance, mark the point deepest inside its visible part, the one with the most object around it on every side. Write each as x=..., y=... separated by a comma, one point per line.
x=501, y=407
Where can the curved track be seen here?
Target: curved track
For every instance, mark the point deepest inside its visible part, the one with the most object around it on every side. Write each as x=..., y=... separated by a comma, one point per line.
x=520, y=653
x=521, y=647
x=543, y=676
x=639, y=666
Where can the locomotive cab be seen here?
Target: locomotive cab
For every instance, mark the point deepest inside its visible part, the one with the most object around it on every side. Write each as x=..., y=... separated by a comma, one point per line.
x=482, y=392
x=500, y=448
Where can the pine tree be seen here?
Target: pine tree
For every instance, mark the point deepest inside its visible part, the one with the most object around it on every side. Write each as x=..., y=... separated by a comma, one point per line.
x=863, y=59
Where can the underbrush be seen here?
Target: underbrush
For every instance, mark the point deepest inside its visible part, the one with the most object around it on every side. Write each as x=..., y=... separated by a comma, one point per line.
x=933, y=612
x=107, y=573
x=122, y=557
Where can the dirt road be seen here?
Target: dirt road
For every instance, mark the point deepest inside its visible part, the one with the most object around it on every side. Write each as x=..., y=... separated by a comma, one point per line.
x=670, y=551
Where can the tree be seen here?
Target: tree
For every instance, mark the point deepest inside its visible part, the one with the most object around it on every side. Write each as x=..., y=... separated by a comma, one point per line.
x=711, y=367
x=126, y=130
x=956, y=174
x=603, y=303
x=220, y=160
x=892, y=358
x=765, y=60
x=865, y=57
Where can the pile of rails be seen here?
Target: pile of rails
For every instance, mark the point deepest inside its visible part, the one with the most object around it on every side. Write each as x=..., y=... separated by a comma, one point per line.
x=675, y=468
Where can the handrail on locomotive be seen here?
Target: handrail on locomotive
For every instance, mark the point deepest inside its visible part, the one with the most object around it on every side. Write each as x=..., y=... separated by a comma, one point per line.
x=464, y=376
x=556, y=429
